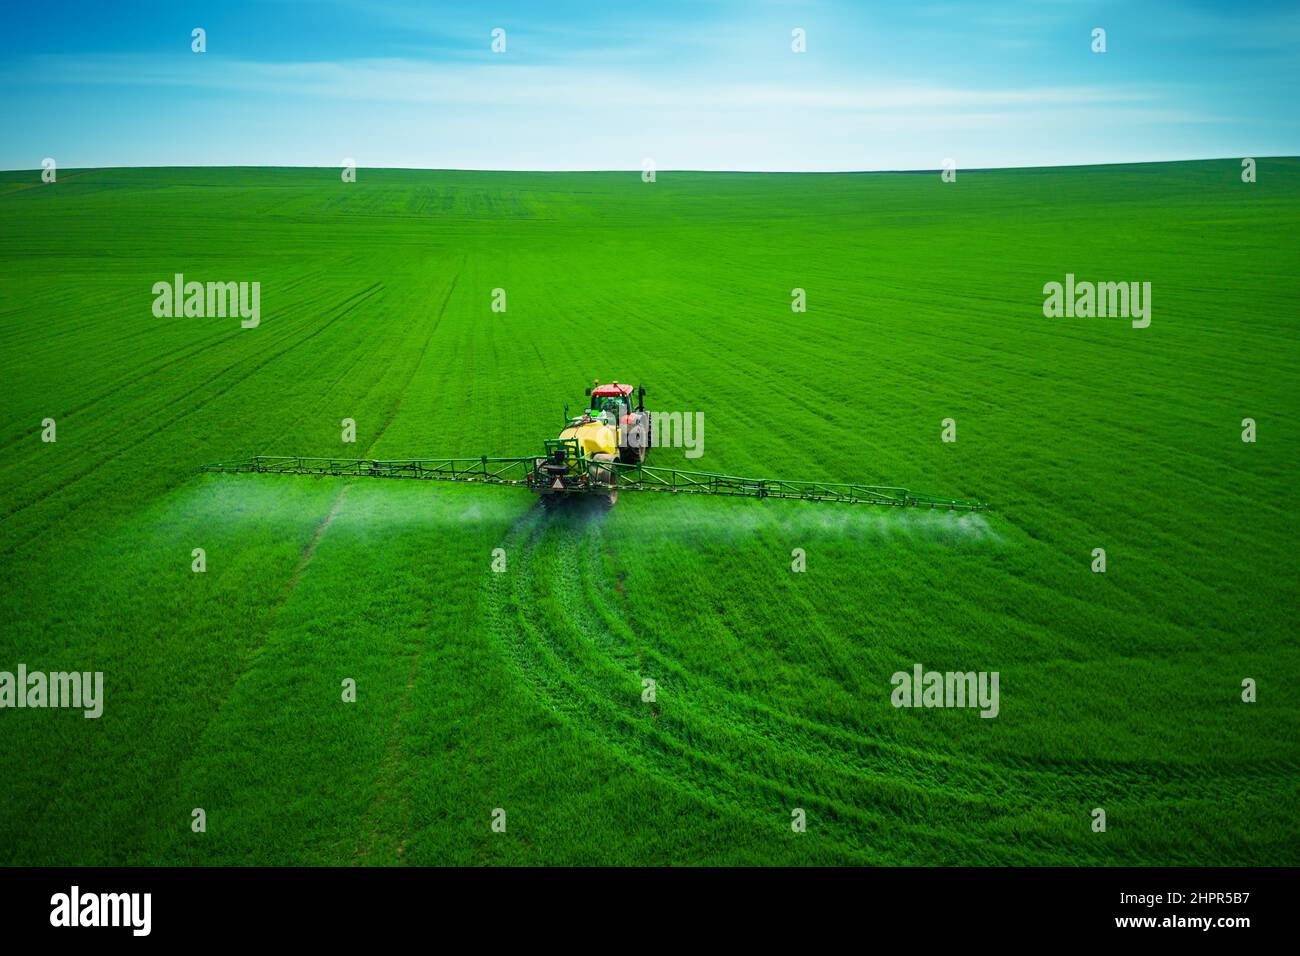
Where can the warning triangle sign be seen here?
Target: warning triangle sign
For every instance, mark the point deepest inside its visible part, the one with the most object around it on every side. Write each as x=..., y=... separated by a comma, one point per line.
x=558, y=485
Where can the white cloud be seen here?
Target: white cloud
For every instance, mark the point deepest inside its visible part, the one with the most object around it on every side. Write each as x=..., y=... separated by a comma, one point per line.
x=506, y=84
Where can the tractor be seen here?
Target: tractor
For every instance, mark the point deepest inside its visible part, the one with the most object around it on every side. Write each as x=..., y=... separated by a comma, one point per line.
x=583, y=457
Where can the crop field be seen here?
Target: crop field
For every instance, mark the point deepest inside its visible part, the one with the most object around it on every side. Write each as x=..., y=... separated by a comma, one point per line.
x=522, y=690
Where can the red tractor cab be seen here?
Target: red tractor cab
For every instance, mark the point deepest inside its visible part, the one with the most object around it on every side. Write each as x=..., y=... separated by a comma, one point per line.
x=612, y=404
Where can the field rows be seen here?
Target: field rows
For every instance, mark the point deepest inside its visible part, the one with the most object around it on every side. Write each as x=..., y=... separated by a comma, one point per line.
x=522, y=690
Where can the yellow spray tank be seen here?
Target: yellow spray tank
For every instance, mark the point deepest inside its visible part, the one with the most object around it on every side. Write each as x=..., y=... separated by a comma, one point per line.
x=594, y=438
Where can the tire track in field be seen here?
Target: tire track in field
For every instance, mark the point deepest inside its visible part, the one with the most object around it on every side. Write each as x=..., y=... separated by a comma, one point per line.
x=537, y=613
x=424, y=349
x=584, y=663
x=344, y=308
x=393, y=746
x=255, y=647
x=1059, y=777
x=291, y=585
x=174, y=357
x=48, y=339
x=208, y=398
x=388, y=770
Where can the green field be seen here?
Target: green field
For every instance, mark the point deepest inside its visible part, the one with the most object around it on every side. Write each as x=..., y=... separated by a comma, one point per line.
x=522, y=690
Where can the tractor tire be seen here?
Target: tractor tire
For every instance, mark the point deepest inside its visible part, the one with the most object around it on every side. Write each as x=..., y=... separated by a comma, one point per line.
x=634, y=454
x=605, y=477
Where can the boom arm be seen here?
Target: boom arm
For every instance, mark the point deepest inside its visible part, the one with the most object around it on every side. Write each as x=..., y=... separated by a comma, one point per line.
x=630, y=477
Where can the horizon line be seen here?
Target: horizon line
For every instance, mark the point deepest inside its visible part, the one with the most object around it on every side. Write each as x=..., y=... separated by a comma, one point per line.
x=658, y=170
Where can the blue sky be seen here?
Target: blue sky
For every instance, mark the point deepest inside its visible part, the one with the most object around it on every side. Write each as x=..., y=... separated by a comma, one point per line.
x=711, y=84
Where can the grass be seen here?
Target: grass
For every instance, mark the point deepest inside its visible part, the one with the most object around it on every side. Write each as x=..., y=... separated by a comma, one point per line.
x=522, y=690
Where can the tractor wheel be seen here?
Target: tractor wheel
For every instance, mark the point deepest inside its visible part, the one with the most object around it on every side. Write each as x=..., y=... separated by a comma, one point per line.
x=605, y=477
x=633, y=452
x=645, y=446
